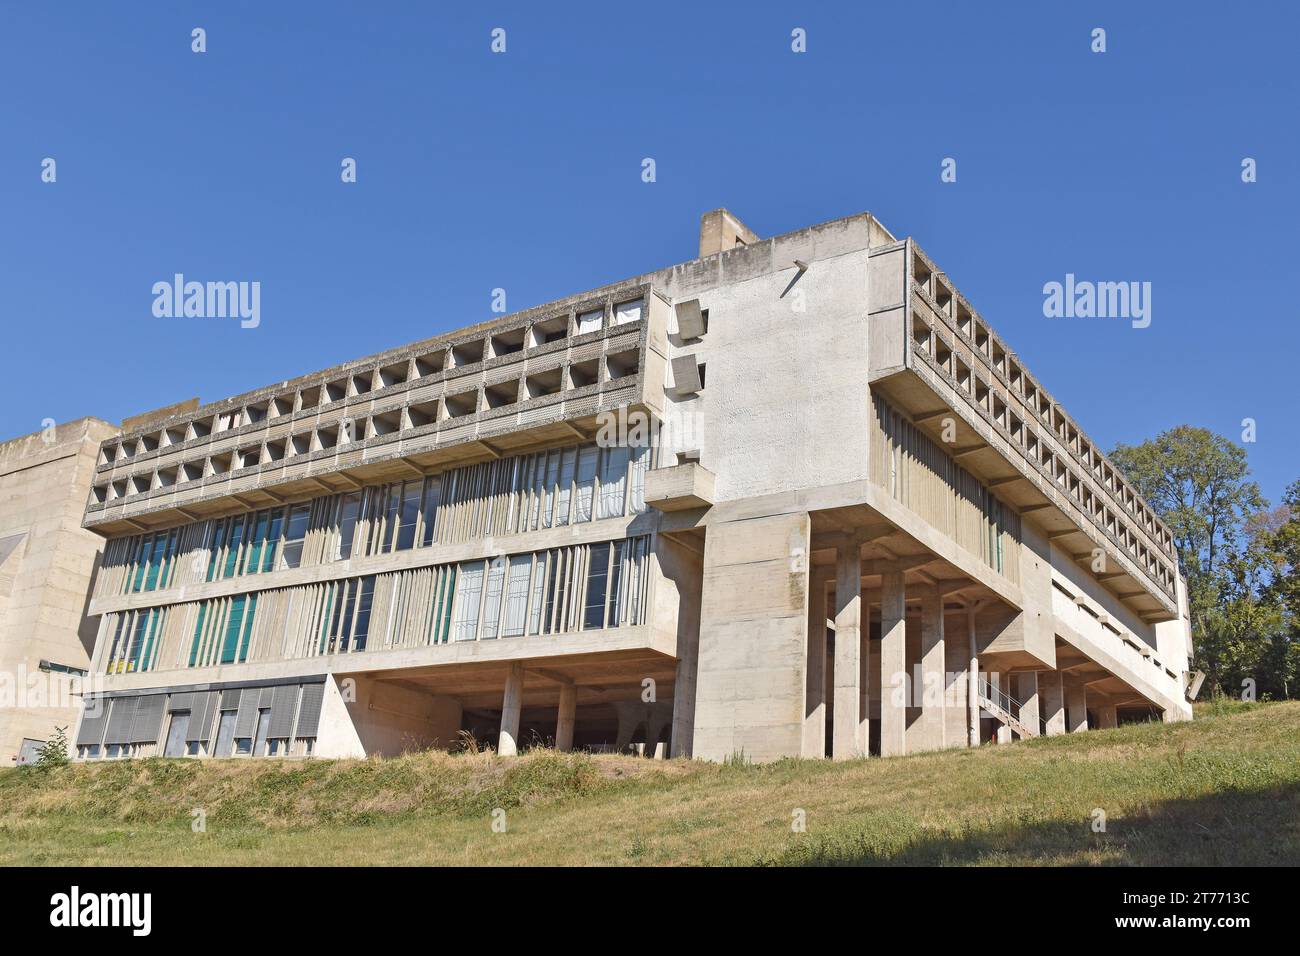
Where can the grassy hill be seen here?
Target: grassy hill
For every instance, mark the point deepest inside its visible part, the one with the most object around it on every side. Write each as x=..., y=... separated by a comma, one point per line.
x=1224, y=789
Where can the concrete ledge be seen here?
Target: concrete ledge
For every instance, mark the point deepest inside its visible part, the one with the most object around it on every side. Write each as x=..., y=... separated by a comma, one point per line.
x=679, y=488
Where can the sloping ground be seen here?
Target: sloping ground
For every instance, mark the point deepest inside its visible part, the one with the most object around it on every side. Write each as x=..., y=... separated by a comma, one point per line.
x=1224, y=789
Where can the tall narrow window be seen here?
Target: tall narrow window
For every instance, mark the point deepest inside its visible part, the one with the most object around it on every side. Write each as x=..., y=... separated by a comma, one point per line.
x=492, y=600
x=469, y=592
x=597, y=582
x=535, y=600
x=408, y=516
x=616, y=600
x=349, y=509
x=586, y=479
x=429, y=510
x=564, y=486
x=640, y=460
x=552, y=476
x=295, y=533
x=361, y=629
x=516, y=595
x=613, y=480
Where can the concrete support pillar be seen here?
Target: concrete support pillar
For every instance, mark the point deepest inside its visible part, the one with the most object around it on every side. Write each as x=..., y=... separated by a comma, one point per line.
x=1076, y=707
x=1052, y=695
x=972, y=684
x=845, y=742
x=932, y=671
x=814, y=724
x=1027, y=694
x=511, y=704
x=566, y=717
x=1107, y=715
x=893, y=664
x=1001, y=685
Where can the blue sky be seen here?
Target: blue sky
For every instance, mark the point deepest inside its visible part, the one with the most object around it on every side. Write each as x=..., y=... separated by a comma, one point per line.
x=522, y=171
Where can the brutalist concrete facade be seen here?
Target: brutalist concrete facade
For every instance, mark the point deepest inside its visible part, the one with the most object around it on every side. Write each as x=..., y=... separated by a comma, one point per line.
x=47, y=563
x=793, y=497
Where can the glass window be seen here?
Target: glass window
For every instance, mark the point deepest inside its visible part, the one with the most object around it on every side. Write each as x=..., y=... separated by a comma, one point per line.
x=469, y=590
x=516, y=595
x=615, y=584
x=409, y=514
x=535, y=599
x=263, y=724
x=552, y=476
x=243, y=746
x=348, y=512
x=564, y=486
x=597, y=579
x=429, y=510
x=225, y=733
x=238, y=625
x=590, y=321
x=613, y=480
x=640, y=460
x=392, y=505
x=361, y=630
x=586, y=478
x=492, y=601
x=295, y=533
x=175, y=746
x=629, y=311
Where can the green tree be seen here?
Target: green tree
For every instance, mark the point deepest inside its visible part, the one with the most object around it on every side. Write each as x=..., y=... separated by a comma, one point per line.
x=1200, y=484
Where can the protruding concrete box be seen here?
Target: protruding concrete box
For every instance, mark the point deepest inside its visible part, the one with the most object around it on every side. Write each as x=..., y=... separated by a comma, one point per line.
x=680, y=487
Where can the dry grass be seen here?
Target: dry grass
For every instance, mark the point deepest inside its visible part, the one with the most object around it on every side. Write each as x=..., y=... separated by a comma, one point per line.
x=1223, y=789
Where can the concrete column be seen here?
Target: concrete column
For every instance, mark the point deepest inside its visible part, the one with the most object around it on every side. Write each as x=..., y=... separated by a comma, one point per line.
x=1027, y=687
x=972, y=683
x=1052, y=692
x=1107, y=715
x=814, y=724
x=1076, y=707
x=848, y=649
x=932, y=671
x=566, y=717
x=511, y=703
x=998, y=681
x=893, y=664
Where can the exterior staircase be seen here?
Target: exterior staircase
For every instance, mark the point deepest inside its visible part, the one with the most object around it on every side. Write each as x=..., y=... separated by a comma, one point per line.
x=1004, y=708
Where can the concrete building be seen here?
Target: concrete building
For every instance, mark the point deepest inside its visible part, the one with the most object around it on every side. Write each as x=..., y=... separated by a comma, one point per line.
x=793, y=497
x=47, y=561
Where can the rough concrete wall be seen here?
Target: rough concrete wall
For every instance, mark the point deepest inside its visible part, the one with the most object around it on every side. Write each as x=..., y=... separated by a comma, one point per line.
x=784, y=404
x=383, y=719
x=753, y=639
x=48, y=561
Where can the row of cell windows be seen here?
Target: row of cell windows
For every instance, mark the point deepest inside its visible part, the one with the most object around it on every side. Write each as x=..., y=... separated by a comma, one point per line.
x=979, y=335
x=931, y=343
x=553, y=591
x=562, y=486
x=363, y=382
x=240, y=722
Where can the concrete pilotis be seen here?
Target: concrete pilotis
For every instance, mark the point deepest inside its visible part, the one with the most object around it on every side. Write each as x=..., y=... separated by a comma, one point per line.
x=1027, y=694
x=972, y=683
x=1107, y=716
x=1076, y=706
x=814, y=726
x=1052, y=693
x=511, y=704
x=932, y=686
x=893, y=664
x=845, y=742
x=566, y=717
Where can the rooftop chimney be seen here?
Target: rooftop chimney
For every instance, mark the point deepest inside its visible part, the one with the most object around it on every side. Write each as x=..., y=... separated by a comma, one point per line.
x=720, y=231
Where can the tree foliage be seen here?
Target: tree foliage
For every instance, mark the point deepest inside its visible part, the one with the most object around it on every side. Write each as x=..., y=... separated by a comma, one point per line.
x=1239, y=557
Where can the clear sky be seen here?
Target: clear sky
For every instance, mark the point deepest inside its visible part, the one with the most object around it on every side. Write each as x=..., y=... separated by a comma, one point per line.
x=522, y=171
